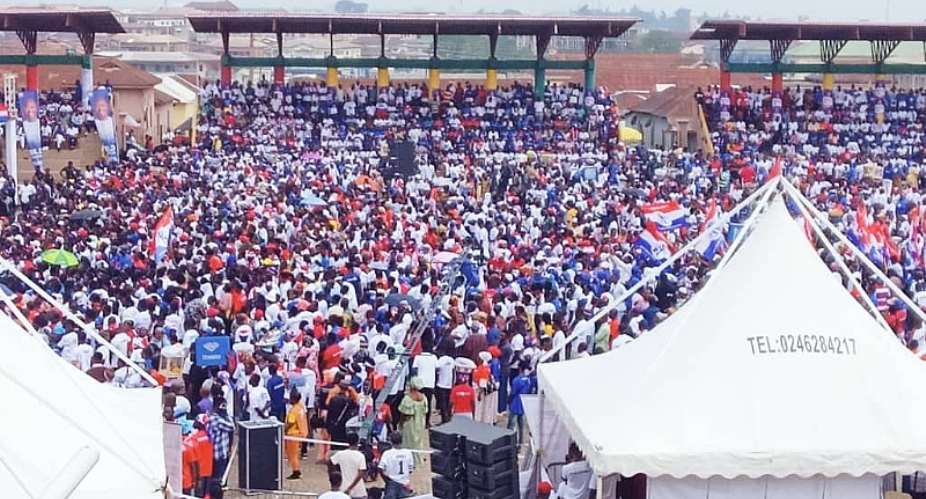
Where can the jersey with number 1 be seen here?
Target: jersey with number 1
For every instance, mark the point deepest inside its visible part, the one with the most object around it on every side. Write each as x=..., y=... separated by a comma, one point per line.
x=398, y=465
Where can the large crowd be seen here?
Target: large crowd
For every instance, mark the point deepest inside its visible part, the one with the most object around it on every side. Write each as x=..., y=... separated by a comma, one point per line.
x=295, y=232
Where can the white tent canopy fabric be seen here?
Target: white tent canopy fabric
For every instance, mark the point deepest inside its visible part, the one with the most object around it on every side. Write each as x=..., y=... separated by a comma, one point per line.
x=773, y=369
x=52, y=410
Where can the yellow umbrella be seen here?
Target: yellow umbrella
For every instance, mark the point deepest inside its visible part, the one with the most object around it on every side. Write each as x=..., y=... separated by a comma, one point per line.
x=628, y=134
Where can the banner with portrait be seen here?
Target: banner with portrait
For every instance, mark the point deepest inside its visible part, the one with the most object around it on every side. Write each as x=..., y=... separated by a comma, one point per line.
x=32, y=126
x=102, y=110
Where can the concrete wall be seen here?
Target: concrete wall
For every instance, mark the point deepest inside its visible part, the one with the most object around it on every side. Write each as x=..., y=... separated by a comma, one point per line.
x=139, y=103
x=89, y=150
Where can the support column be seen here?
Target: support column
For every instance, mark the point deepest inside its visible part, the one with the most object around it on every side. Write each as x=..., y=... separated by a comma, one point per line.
x=331, y=76
x=778, y=84
x=279, y=74
x=540, y=76
x=433, y=79
x=226, y=76
x=491, y=79
x=225, y=71
x=87, y=40
x=32, y=76
x=382, y=77
x=726, y=80
x=829, y=80
x=540, y=80
x=590, y=75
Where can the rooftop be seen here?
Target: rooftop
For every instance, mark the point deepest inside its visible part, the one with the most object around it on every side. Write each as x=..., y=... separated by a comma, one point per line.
x=745, y=30
x=412, y=24
x=51, y=19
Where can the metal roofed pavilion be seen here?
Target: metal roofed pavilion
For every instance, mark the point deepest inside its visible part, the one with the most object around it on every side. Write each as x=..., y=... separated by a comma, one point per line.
x=411, y=24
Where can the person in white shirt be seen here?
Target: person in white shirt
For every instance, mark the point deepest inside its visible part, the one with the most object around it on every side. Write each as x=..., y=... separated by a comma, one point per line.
x=397, y=465
x=258, y=400
x=444, y=383
x=352, y=465
x=576, y=474
x=425, y=365
x=334, y=478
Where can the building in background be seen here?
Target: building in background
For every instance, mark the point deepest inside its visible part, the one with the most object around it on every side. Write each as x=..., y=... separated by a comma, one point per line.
x=667, y=119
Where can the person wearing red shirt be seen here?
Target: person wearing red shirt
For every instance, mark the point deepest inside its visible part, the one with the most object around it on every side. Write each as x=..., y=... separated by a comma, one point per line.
x=463, y=398
x=331, y=356
x=191, y=473
x=202, y=447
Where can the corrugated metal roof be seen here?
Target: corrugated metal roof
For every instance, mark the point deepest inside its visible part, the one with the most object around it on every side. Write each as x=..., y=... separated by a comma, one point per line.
x=414, y=24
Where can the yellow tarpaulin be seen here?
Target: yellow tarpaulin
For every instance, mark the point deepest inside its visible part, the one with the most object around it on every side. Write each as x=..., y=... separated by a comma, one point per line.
x=628, y=134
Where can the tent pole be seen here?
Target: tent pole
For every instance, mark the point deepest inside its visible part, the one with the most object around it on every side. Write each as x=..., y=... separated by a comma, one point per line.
x=725, y=217
x=67, y=480
x=839, y=261
x=19, y=315
x=858, y=253
x=91, y=332
x=760, y=206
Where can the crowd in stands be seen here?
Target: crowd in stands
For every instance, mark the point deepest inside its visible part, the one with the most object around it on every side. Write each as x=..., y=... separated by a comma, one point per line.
x=295, y=232
x=62, y=120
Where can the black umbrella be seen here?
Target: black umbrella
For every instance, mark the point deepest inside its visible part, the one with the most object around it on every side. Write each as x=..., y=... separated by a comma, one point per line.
x=396, y=299
x=88, y=214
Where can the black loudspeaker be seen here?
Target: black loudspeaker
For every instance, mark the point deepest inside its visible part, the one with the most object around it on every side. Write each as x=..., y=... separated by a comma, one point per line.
x=447, y=488
x=473, y=461
x=260, y=455
x=403, y=159
x=449, y=464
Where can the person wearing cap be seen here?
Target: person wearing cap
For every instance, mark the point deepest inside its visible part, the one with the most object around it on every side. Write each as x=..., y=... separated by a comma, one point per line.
x=462, y=396
x=413, y=411
x=544, y=490
x=296, y=425
x=189, y=464
x=204, y=454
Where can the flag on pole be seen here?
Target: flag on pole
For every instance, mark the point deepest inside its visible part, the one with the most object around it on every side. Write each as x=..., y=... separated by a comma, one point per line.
x=667, y=216
x=653, y=244
x=4, y=113
x=160, y=241
x=714, y=242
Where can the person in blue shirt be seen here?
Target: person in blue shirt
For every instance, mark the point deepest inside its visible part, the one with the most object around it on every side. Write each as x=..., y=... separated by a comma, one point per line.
x=277, y=393
x=521, y=385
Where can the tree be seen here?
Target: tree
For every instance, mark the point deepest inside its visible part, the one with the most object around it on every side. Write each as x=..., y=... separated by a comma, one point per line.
x=660, y=42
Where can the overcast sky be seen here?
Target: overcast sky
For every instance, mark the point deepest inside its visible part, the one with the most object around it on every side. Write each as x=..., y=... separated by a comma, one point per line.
x=817, y=10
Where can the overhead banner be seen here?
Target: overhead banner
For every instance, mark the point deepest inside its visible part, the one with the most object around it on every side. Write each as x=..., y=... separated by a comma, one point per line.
x=102, y=110
x=32, y=128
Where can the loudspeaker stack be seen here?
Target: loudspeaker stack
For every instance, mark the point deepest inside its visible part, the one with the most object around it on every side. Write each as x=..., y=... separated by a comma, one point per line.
x=473, y=461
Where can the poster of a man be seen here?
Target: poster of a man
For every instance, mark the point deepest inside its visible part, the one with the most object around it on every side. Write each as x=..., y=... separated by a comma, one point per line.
x=29, y=109
x=32, y=127
x=102, y=111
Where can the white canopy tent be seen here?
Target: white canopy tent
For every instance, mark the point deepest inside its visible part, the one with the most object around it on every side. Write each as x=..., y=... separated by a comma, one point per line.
x=53, y=412
x=772, y=370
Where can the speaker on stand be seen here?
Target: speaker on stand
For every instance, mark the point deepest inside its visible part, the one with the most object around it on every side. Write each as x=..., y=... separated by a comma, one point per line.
x=260, y=455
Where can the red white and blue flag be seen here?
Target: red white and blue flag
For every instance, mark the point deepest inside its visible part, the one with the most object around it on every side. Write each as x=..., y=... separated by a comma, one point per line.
x=714, y=243
x=4, y=113
x=160, y=241
x=653, y=244
x=667, y=216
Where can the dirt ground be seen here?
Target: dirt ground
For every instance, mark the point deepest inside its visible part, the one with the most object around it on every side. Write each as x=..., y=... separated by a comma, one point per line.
x=314, y=479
